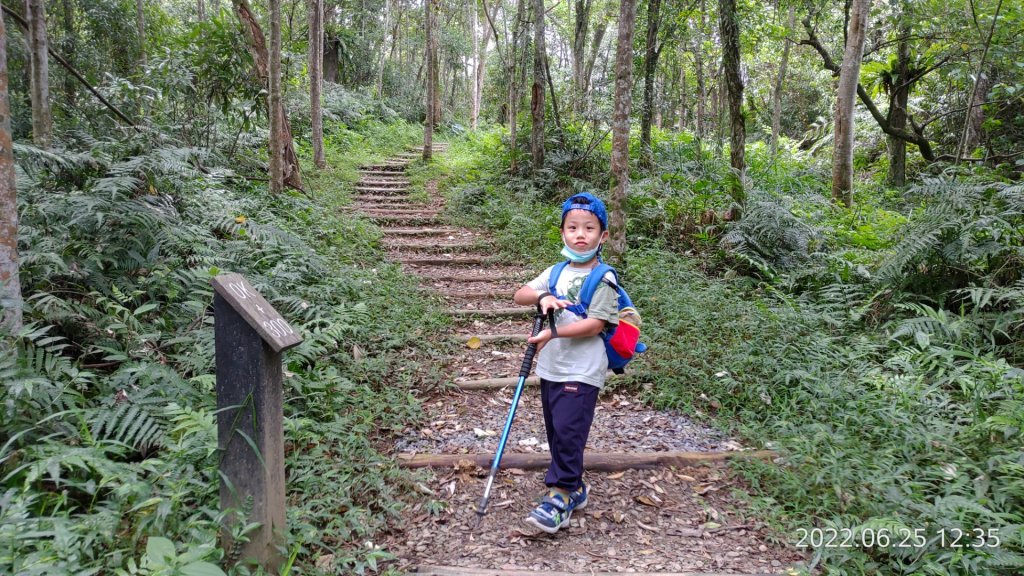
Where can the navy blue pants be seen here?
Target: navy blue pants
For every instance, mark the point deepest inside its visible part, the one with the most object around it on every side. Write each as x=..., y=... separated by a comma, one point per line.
x=568, y=414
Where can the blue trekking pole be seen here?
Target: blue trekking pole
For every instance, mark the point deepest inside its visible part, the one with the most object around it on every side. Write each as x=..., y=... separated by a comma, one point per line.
x=524, y=371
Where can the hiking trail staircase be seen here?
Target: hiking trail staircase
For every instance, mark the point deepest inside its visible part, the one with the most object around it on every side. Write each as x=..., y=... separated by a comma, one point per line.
x=660, y=504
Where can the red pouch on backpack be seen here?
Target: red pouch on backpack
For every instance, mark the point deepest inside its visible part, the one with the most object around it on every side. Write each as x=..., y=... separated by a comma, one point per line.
x=627, y=334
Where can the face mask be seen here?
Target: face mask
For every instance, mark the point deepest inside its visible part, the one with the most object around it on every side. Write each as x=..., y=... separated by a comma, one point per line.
x=579, y=257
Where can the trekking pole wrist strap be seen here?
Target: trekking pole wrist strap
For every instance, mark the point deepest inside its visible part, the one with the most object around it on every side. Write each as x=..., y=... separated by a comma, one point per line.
x=543, y=295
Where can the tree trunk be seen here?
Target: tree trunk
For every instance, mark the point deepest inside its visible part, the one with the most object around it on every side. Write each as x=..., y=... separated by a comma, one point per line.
x=620, y=131
x=201, y=10
x=702, y=87
x=842, y=157
x=474, y=111
x=682, y=91
x=976, y=117
x=537, y=89
x=650, y=66
x=274, y=84
x=579, y=53
x=70, y=46
x=11, y=303
x=734, y=90
x=899, y=95
x=331, y=60
x=975, y=96
x=379, y=84
x=779, y=84
x=513, y=79
x=428, y=122
x=39, y=76
x=140, y=26
x=261, y=61
x=316, y=46
x=435, y=56
x=588, y=71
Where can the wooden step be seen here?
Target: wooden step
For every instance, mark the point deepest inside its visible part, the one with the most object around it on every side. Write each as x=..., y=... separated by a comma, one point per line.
x=493, y=312
x=415, y=249
x=383, y=174
x=383, y=198
x=381, y=191
x=383, y=183
x=597, y=461
x=499, y=383
x=481, y=295
x=402, y=212
x=422, y=231
x=490, y=338
x=454, y=261
x=405, y=219
x=427, y=570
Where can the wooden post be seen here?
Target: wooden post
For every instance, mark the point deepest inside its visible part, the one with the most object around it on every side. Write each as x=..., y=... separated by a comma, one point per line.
x=250, y=336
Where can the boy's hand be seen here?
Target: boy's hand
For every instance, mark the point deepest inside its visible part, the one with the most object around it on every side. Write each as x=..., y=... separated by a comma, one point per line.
x=540, y=339
x=550, y=302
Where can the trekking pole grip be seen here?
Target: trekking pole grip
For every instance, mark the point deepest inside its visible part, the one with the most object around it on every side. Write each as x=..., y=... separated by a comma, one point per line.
x=531, y=350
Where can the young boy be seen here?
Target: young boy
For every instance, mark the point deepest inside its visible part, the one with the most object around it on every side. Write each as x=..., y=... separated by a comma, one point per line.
x=572, y=367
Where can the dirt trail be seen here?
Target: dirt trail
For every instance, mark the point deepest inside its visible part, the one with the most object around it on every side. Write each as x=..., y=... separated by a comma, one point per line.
x=662, y=520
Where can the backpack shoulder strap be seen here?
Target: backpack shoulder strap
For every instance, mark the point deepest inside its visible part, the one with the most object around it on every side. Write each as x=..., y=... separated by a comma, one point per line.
x=593, y=280
x=556, y=271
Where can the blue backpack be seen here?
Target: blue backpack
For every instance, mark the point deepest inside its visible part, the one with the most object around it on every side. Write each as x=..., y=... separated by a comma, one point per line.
x=621, y=342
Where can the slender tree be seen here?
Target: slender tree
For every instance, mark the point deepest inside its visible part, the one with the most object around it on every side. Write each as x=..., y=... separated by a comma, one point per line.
x=620, y=130
x=428, y=122
x=780, y=82
x=579, y=53
x=978, y=81
x=650, y=66
x=379, y=84
x=899, y=96
x=513, y=79
x=257, y=43
x=849, y=74
x=316, y=79
x=140, y=27
x=537, y=88
x=39, y=76
x=276, y=129
x=734, y=91
x=10, y=283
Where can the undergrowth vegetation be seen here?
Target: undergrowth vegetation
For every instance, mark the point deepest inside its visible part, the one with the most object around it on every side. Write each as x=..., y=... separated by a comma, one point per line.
x=876, y=349
x=109, y=447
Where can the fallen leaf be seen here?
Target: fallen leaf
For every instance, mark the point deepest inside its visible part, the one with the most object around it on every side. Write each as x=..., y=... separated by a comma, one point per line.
x=531, y=441
x=473, y=343
x=617, y=475
x=686, y=478
x=711, y=525
x=481, y=433
x=618, y=517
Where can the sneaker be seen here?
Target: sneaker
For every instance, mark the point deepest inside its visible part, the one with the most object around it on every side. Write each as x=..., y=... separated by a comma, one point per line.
x=553, y=512
x=578, y=498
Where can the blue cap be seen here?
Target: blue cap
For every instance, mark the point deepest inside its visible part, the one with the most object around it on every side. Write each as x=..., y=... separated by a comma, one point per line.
x=590, y=203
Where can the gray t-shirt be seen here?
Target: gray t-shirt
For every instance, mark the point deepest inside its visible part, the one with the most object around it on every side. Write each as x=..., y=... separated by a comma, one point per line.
x=577, y=359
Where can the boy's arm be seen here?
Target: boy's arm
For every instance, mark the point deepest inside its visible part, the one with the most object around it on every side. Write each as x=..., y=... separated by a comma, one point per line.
x=529, y=296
